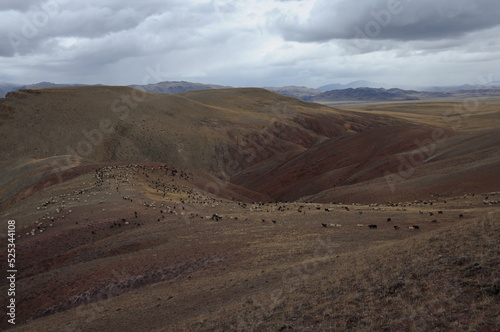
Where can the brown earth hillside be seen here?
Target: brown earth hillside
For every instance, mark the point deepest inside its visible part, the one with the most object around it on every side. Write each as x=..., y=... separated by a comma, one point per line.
x=122, y=124
x=245, y=210
x=280, y=147
x=221, y=132
x=138, y=248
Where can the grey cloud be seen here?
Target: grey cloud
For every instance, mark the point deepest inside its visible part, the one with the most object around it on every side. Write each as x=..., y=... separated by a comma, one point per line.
x=103, y=35
x=227, y=41
x=18, y=5
x=391, y=20
x=26, y=32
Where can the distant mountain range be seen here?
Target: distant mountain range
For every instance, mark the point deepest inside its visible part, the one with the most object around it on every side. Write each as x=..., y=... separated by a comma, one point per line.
x=355, y=84
x=162, y=87
x=300, y=92
x=176, y=87
x=354, y=91
x=384, y=95
x=8, y=87
x=380, y=94
x=369, y=94
x=461, y=87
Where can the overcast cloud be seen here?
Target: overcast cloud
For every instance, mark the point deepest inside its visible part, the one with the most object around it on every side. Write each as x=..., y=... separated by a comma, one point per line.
x=251, y=42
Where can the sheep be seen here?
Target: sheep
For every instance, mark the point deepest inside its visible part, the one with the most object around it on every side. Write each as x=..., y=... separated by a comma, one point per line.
x=396, y=227
x=434, y=221
x=389, y=219
x=411, y=227
x=372, y=226
x=360, y=225
x=216, y=217
x=416, y=227
x=324, y=225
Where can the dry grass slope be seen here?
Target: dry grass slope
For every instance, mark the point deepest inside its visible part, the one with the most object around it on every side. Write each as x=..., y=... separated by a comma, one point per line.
x=445, y=280
x=128, y=237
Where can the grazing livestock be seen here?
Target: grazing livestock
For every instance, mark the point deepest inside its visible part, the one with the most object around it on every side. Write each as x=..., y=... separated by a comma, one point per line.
x=434, y=221
x=440, y=212
x=411, y=227
x=372, y=226
x=360, y=225
x=416, y=227
x=389, y=219
x=331, y=225
x=461, y=216
x=396, y=227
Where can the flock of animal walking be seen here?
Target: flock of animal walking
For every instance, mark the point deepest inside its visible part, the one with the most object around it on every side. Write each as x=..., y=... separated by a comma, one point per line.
x=171, y=187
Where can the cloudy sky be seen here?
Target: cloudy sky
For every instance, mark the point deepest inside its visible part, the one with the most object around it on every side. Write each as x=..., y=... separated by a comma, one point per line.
x=250, y=42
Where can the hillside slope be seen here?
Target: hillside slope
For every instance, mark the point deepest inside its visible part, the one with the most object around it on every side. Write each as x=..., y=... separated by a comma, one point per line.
x=107, y=124
x=135, y=247
x=199, y=130
x=230, y=210
x=281, y=147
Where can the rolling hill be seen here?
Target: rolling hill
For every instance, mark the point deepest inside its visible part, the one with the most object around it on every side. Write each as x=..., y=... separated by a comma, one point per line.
x=188, y=130
x=243, y=209
x=281, y=147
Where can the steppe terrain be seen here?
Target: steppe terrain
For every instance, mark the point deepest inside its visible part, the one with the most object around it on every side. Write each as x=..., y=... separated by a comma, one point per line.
x=245, y=210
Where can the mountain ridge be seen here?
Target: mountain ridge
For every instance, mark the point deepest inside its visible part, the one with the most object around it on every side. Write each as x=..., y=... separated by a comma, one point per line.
x=301, y=92
x=236, y=135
